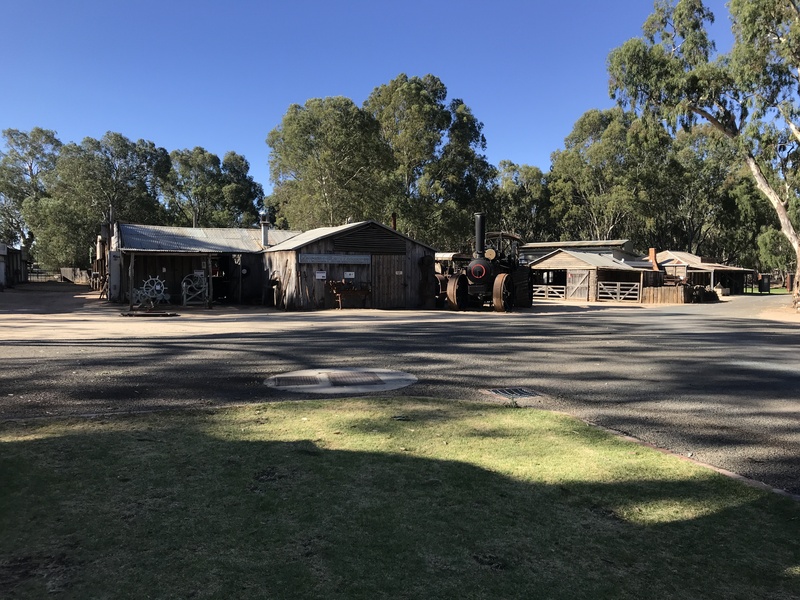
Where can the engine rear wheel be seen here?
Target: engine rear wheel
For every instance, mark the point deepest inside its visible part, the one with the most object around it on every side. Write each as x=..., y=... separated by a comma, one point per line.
x=503, y=293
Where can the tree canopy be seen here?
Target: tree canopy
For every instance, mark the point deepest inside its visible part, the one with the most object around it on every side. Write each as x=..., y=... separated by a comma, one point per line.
x=328, y=164
x=54, y=196
x=749, y=95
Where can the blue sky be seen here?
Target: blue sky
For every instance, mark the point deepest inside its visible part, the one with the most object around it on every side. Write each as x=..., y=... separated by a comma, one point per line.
x=221, y=75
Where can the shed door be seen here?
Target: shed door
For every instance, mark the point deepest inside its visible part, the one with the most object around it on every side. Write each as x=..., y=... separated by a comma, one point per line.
x=577, y=285
x=389, y=281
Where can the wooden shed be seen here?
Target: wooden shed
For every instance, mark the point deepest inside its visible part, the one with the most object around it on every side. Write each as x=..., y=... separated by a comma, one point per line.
x=691, y=269
x=568, y=275
x=221, y=264
x=380, y=266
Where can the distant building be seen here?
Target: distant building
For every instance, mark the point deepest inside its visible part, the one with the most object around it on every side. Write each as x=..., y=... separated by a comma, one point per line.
x=695, y=270
x=617, y=249
x=585, y=276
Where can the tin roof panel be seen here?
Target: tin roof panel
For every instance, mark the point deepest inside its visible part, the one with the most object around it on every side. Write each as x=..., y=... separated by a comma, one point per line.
x=154, y=238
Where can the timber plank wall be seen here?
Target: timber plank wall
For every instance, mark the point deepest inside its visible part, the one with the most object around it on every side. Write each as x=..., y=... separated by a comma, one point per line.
x=668, y=294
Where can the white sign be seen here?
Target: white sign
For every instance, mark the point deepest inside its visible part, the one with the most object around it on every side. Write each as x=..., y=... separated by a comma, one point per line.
x=349, y=274
x=335, y=259
x=322, y=274
x=398, y=272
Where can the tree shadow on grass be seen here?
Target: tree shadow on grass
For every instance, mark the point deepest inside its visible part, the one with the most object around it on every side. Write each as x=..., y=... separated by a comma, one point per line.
x=145, y=508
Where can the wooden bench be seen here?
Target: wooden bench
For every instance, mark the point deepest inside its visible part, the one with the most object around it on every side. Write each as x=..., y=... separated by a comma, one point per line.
x=342, y=290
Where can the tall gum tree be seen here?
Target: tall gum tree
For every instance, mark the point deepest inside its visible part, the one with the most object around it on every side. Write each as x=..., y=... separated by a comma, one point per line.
x=328, y=164
x=750, y=94
x=413, y=119
x=25, y=167
x=593, y=183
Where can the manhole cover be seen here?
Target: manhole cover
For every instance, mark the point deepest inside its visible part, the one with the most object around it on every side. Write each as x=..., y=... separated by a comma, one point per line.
x=293, y=380
x=341, y=381
x=514, y=392
x=343, y=378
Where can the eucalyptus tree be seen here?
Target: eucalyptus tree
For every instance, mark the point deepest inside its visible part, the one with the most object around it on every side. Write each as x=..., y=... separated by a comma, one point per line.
x=25, y=167
x=707, y=171
x=242, y=196
x=593, y=185
x=329, y=164
x=114, y=177
x=413, y=118
x=522, y=202
x=459, y=182
x=195, y=187
x=749, y=95
x=203, y=191
x=94, y=181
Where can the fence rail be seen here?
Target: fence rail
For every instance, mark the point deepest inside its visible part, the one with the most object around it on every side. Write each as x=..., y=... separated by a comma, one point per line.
x=39, y=276
x=549, y=292
x=618, y=291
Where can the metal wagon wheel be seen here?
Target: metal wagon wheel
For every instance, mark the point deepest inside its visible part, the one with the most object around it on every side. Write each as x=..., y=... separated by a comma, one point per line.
x=503, y=293
x=458, y=292
x=153, y=288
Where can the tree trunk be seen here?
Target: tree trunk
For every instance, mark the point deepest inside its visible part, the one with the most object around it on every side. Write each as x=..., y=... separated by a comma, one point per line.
x=796, y=284
x=783, y=217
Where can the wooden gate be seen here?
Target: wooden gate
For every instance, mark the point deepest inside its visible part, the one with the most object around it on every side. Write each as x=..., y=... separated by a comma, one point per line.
x=577, y=285
x=619, y=291
x=548, y=292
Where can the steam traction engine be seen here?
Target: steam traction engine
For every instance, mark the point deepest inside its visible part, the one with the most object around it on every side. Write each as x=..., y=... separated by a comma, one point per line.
x=493, y=276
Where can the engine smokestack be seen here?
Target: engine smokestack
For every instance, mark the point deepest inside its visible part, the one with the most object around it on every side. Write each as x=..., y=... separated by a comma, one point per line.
x=480, y=235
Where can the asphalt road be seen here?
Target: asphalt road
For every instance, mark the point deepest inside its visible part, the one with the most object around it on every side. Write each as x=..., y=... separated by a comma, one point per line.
x=717, y=382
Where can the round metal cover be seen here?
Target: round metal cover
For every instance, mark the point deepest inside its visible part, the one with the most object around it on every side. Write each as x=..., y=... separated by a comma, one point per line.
x=341, y=381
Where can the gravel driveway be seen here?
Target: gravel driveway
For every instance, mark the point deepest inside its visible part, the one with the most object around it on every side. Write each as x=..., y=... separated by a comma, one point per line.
x=719, y=382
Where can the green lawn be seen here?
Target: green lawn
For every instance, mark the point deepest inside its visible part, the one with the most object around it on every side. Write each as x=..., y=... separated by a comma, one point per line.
x=376, y=499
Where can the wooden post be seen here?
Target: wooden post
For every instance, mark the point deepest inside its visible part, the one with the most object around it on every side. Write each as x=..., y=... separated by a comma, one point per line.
x=130, y=282
x=641, y=286
x=209, y=285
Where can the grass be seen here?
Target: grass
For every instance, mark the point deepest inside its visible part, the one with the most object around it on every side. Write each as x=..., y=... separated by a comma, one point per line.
x=376, y=499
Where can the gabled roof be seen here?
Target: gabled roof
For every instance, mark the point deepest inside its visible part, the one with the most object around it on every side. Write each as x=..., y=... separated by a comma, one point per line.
x=578, y=244
x=590, y=259
x=315, y=235
x=154, y=238
x=277, y=236
x=669, y=258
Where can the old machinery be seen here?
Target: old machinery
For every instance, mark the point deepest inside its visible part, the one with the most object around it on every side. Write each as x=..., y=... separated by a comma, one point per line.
x=491, y=276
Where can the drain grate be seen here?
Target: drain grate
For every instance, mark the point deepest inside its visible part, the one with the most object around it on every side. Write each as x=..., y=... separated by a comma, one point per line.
x=295, y=380
x=347, y=379
x=515, y=392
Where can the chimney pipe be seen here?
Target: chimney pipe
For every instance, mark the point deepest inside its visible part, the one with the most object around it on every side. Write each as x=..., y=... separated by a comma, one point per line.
x=480, y=235
x=394, y=221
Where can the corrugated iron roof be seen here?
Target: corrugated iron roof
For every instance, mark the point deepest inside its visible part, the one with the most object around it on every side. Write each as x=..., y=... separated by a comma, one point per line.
x=154, y=238
x=673, y=258
x=278, y=236
x=577, y=244
x=314, y=235
x=589, y=258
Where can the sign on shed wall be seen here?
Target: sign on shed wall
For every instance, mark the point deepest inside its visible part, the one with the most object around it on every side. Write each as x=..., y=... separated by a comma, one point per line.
x=335, y=259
